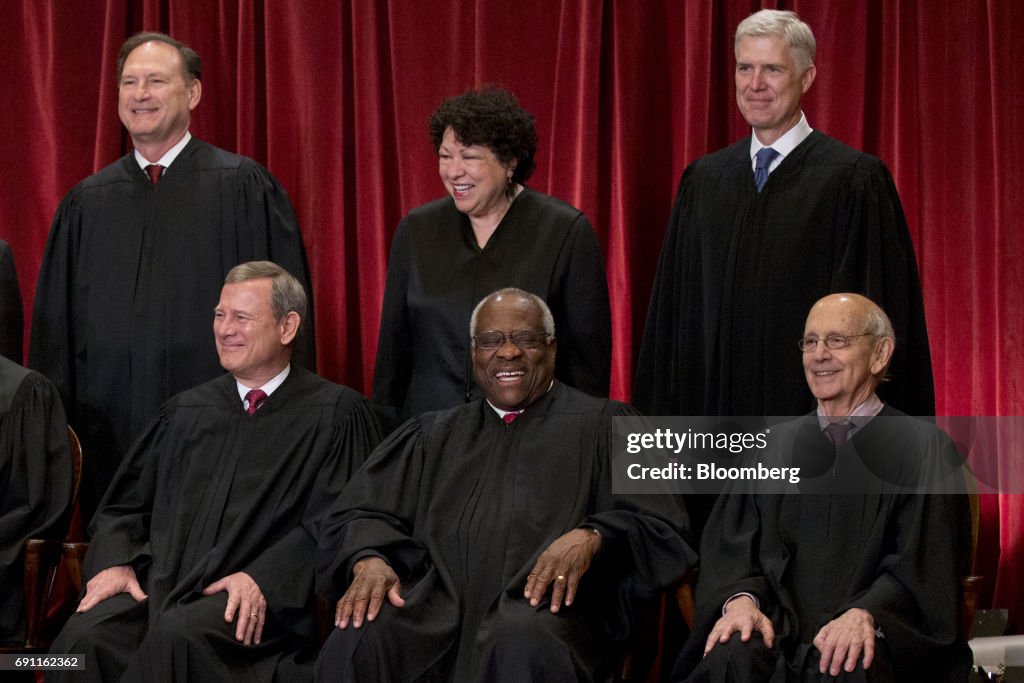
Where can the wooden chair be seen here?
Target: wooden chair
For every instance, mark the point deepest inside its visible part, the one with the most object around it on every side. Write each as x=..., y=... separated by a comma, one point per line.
x=42, y=560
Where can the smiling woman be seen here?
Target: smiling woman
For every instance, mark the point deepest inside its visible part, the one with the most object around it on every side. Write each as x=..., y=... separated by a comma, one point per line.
x=489, y=232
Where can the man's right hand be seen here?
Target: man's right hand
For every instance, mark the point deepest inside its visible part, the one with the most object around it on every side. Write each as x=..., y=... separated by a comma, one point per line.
x=741, y=614
x=108, y=583
x=372, y=578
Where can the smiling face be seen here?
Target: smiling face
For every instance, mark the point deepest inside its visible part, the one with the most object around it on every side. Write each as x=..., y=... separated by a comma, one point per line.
x=252, y=345
x=473, y=176
x=842, y=379
x=155, y=98
x=510, y=377
x=769, y=85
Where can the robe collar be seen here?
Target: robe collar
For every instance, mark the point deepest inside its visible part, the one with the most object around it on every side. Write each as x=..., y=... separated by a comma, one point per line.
x=268, y=388
x=860, y=416
x=169, y=156
x=784, y=145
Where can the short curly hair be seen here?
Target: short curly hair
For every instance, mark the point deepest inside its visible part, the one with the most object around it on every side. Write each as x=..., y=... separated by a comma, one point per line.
x=490, y=117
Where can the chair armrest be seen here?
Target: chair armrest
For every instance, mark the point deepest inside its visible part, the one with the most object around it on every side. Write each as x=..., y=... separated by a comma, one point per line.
x=970, y=587
x=73, y=554
x=41, y=560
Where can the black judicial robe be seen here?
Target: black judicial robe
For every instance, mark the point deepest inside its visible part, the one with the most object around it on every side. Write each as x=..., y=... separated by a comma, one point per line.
x=35, y=478
x=208, y=491
x=740, y=270
x=436, y=276
x=130, y=277
x=811, y=557
x=10, y=307
x=462, y=505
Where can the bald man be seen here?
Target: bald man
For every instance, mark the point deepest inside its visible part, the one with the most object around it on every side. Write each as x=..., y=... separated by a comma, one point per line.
x=860, y=583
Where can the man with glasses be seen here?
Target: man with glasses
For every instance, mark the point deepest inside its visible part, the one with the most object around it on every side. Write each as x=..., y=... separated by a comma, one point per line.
x=861, y=579
x=484, y=542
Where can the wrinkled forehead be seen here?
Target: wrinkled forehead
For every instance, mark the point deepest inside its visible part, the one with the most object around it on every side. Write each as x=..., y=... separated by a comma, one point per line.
x=843, y=318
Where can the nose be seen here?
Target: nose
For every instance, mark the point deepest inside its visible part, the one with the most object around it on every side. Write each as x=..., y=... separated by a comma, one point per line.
x=508, y=349
x=223, y=327
x=757, y=81
x=821, y=351
x=453, y=168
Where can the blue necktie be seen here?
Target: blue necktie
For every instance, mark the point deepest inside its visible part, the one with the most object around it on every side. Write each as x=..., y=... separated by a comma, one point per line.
x=763, y=159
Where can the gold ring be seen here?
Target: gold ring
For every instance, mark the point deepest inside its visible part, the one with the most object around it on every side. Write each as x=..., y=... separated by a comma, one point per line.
x=560, y=578
x=253, y=614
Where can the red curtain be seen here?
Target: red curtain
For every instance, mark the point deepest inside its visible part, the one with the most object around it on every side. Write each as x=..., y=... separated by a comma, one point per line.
x=333, y=96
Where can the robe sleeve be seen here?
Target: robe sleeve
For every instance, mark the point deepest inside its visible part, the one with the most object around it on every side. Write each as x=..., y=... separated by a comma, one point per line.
x=877, y=260
x=731, y=559
x=393, y=367
x=583, y=313
x=642, y=536
x=915, y=598
x=655, y=389
x=10, y=307
x=375, y=514
x=262, y=207
x=120, y=529
x=276, y=566
x=52, y=344
x=35, y=475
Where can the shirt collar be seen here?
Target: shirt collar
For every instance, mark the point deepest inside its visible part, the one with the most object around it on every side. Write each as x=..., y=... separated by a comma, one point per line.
x=502, y=413
x=860, y=416
x=169, y=156
x=267, y=388
x=784, y=145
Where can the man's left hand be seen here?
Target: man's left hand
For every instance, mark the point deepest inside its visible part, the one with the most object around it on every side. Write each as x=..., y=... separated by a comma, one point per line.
x=561, y=566
x=245, y=597
x=843, y=640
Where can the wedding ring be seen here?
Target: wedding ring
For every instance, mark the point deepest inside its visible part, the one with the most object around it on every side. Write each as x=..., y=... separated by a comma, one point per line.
x=559, y=578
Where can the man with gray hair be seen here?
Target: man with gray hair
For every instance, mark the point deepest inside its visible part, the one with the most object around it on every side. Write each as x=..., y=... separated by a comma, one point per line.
x=762, y=229
x=199, y=565
x=484, y=542
x=858, y=579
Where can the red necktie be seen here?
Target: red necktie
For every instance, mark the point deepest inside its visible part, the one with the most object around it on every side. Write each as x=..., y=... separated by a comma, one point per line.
x=255, y=398
x=509, y=417
x=154, y=171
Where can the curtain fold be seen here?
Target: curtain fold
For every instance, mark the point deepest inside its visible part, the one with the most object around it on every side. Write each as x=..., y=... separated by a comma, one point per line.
x=333, y=96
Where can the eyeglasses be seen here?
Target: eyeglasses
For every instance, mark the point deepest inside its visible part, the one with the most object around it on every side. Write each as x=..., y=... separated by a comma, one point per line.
x=523, y=339
x=833, y=341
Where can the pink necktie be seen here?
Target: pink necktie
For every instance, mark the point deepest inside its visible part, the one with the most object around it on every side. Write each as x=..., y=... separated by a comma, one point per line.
x=509, y=417
x=154, y=171
x=255, y=397
x=838, y=432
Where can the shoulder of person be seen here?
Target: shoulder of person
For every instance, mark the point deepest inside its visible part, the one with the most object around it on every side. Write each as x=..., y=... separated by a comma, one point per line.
x=315, y=390
x=545, y=203
x=431, y=211
x=567, y=399
x=838, y=152
x=120, y=171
